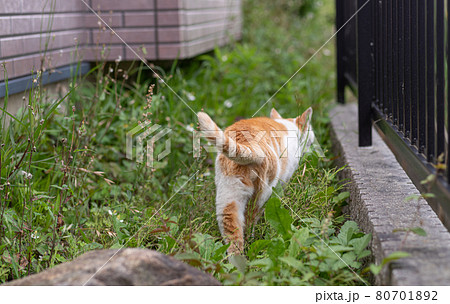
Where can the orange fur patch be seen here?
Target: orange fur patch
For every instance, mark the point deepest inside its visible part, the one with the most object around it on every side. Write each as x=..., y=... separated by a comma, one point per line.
x=268, y=144
x=302, y=120
x=271, y=144
x=232, y=228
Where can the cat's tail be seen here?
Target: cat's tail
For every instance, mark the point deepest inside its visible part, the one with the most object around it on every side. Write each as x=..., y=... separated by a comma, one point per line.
x=242, y=154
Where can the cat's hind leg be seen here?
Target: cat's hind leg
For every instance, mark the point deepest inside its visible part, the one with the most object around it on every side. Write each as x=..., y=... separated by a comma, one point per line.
x=231, y=201
x=233, y=227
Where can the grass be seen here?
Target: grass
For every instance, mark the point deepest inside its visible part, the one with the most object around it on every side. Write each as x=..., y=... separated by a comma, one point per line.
x=67, y=186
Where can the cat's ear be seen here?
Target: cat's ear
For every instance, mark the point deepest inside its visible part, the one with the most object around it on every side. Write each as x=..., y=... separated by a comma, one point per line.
x=303, y=120
x=274, y=114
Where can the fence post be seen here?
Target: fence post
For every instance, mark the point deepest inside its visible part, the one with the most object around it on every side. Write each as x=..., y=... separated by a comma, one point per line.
x=448, y=94
x=340, y=44
x=366, y=78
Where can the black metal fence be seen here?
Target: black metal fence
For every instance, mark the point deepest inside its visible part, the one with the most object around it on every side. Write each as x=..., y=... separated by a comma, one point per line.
x=394, y=56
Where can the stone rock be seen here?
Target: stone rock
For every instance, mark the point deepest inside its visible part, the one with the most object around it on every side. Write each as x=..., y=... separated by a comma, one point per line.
x=140, y=267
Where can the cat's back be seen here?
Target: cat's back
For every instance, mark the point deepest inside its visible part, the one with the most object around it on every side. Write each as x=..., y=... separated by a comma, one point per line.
x=255, y=125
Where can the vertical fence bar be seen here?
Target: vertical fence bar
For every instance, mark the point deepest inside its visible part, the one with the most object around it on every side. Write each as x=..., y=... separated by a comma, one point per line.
x=422, y=70
x=385, y=59
x=401, y=63
x=407, y=66
x=414, y=77
x=379, y=47
x=389, y=58
x=395, y=56
x=430, y=152
x=448, y=91
x=365, y=77
x=375, y=70
x=440, y=78
x=340, y=49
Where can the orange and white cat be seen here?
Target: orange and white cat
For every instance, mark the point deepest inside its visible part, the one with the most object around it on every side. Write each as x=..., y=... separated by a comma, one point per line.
x=253, y=156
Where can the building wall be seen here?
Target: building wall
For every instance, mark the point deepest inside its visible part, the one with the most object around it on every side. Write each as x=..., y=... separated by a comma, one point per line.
x=64, y=31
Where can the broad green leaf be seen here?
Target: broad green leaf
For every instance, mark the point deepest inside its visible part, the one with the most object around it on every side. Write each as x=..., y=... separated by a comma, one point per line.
x=170, y=243
x=219, y=254
x=278, y=217
x=307, y=276
x=342, y=196
x=205, y=244
x=350, y=259
x=59, y=258
x=192, y=258
x=361, y=243
x=276, y=248
x=254, y=275
x=278, y=189
x=265, y=263
x=116, y=246
x=347, y=231
x=298, y=239
x=239, y=262
x=293, y=262
x=364, y=254
x=187, y=256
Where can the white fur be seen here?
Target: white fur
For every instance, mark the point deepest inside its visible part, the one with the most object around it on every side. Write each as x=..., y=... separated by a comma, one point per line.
x=229, y=189
x=291, y=145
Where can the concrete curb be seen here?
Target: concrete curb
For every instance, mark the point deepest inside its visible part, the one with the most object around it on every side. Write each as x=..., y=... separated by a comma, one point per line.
x=378, y=190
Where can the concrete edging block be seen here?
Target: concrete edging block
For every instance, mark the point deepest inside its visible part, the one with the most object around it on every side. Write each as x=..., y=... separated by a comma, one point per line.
x=378, y=189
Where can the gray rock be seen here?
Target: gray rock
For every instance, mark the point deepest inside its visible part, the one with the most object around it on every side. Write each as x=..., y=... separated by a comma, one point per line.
x=131, y=266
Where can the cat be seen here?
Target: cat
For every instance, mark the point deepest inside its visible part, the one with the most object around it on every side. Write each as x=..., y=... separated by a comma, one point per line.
x=253, y=156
